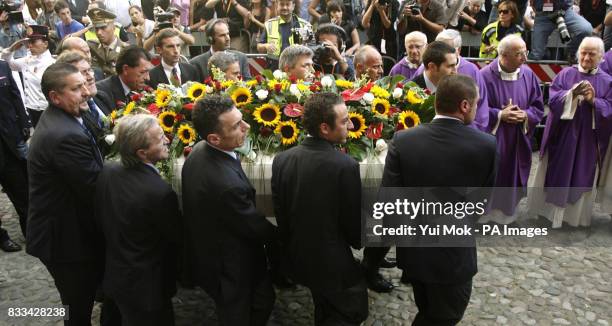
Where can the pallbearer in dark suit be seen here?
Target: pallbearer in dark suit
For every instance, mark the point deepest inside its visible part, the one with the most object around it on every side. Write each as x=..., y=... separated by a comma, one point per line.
x=63, y=164
x=140, y=218
x=456, y=156
x=170, y=71
x=318, y=238
x=224, y=228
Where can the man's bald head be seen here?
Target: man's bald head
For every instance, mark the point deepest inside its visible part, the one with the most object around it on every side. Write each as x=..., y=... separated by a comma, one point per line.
x=368, y=61
x=590, y=52
x=76, y=44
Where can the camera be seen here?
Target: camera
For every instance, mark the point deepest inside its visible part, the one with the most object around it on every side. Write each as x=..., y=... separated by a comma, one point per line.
x=164, y=20
x=14, y=15
x=557, y=18
x=305, y=35
x=415, y=9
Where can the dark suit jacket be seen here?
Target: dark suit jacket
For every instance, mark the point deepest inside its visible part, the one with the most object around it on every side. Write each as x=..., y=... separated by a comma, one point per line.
x=13, y=118
x=62, y=169
x=139, y=215
x=158, y=76
x=225, y=230
x=77, y=12
x=317, y=233
x=98, y=73
x=110, y=91
x=420, y=80
x=443, y=153
x=201, y=62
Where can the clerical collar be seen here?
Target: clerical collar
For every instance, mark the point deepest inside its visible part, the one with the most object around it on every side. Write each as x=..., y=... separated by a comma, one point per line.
x=430, y=86
x=230, y=153
x=411, y=65
x=508, y=75
x=589, y=72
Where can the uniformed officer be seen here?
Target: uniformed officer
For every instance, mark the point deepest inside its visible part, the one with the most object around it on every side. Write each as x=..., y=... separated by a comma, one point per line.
x=105, y=50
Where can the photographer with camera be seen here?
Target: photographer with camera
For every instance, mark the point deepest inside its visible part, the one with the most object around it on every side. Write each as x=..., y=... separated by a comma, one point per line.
x=12, y=29
x=170, y=19
x=336, y=14
x=557, y=14
x=378, y=21
x=328, y=56
x=279, y=31
x=426, y=16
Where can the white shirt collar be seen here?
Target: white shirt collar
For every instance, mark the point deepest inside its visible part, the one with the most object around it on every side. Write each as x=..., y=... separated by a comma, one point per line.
x=590, y=71
x=126, y=88
x=439, y=116
x=508, y=75
x=80, y=120
x=430, y=86
x=230, y=153
x=169, y=67
x=411, y=65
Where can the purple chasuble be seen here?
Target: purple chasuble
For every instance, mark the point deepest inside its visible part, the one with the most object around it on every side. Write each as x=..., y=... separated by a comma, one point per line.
x=402, y=68
x=481, y=121
x=513, y=145
x=606, y=63
x=575, y=147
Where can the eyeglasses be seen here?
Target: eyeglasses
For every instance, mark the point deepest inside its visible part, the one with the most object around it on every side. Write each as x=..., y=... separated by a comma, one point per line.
x=522, y=53
x=504, y=11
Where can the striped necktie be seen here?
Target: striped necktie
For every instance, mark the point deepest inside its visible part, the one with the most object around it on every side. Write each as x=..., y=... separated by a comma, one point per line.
x=174, y=78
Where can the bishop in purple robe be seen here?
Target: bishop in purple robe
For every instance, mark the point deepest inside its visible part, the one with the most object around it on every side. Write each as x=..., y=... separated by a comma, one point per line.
x=515, y=108
x=575, y=139
x=606, y=63
x=415, y=43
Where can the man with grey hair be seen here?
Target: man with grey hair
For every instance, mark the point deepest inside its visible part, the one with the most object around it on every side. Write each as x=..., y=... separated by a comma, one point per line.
x=296, y=61
x=453, y=38
x=368, y=61
x=516, y=107
x=140, y=217
x=227, y=63
x=73, y=43
x=415, y=43
x=575, y=139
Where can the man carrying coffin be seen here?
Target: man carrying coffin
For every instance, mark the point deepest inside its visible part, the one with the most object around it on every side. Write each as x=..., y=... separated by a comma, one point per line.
x=516, y=107
x=575, y=139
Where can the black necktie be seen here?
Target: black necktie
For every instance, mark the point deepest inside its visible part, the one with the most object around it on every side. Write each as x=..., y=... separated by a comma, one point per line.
x=94, y=144
x=94, y=113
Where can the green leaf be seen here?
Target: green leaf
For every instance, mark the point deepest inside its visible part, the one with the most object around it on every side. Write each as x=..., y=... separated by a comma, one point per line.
x=268, y=74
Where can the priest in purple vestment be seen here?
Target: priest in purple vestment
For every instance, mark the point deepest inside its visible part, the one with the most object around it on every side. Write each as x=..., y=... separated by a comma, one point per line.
x=606, y=63
x=575, y=140
x=453, y=38
x=415, y=43
x=515, y=108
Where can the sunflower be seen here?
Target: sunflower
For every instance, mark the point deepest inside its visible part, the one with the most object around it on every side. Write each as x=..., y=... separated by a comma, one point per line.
x=196, y=91
x=409, y=119
x=129, y=108
x=227, y=83
x=267, y=114
x=186, y=134
x=413, y=97
x=379, y=92
x=113, y=115
x=380, y=106
x=162, y=97
x=251, y=83
x=359, y=125
x=166, y=120
x=288, y=132
x=242, y=96
x=344, y=83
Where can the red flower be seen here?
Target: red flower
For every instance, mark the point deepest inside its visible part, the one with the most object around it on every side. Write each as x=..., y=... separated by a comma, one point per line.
x=153, y=109
x=148, y=88
x=217, y=85
x=350, y=95
x=317, y=74
x=292, y=79
x=393, y=110
x=208, y=81
x=278, y=87
x=179, y=117
x=399, y=127
x=188, y=106
x=187, y=150
x=427, y=91
x=259, y=79
x=293, y=110
x=399, y=85
x=136, y=97
x=265, y=131
x=374, y=131
x=313, y=88
x=366, y=88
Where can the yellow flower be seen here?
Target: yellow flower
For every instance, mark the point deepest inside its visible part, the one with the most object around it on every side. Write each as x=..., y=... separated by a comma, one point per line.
x=303, y=88
x=379, y=92
x=113, y=115
x=162, y=97
x=409, y=119
x=284, y=84
x=251, y=83
x=129, y=108
x=359, y=125
x=196, y=91
x=344, y=83
x=413, y=97
x=288, y=131
x=242, y=96
x=166, y=120
x=227, y=84
x=380, y=106
x=186, y=134
x=268, y=114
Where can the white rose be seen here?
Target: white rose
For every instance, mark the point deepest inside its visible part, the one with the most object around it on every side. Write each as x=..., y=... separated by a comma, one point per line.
x=294, y=90
x=252, y=156
x=109, y=139
x=209, y=90
x=278, y=75
x=262, y=94
x=326, y=81
x=381, y=145
x=397, y=93
x=368, y=97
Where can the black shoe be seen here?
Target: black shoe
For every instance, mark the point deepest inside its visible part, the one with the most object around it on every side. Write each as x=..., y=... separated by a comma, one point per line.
x=388, y=263
x=379, y=284
x=9, y=245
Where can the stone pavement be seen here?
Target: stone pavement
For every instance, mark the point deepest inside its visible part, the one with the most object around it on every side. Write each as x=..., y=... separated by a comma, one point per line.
x=515, y=286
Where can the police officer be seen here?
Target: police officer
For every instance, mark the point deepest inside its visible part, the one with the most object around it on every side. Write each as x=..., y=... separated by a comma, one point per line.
x=105, y=50
x=278, y=32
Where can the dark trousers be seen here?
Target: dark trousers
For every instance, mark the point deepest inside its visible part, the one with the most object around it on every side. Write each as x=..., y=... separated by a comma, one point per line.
x=77, y=284
x=245, y=302
x=34, y=116
x=14, y=181
x=346, y=307
x=372, y=257
x=440, y=304
x=133, y=316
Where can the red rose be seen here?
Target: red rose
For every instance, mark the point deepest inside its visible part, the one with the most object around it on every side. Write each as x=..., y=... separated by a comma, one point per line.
x=136, y=97
x=399, y=127
x=259, y=79
x=313, y=88
x=265, y=131
x=317, y=74
x=374, y=131
x=399, y=85
x=179, y=117
x=187, y=150
x=153, y=109
x=278, y=87
x=292, y=79
x=188, y=106
x=427, y=91
x=208, y=80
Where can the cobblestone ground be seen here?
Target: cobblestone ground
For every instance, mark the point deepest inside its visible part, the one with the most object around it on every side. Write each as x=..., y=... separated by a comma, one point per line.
x=515, y=286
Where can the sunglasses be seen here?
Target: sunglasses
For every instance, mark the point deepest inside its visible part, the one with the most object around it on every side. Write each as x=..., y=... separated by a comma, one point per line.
x=504, y=11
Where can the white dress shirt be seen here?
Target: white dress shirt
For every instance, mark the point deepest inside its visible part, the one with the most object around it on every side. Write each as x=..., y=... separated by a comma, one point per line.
x=32, y=68
x=168, y=71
